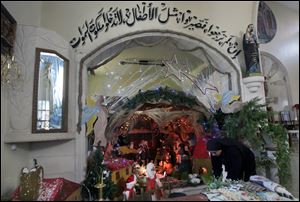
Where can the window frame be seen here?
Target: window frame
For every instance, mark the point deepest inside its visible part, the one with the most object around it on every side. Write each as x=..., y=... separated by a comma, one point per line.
x=64, y=125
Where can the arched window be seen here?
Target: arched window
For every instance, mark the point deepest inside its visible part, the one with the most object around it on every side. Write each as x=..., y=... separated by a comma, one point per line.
x=278, y=90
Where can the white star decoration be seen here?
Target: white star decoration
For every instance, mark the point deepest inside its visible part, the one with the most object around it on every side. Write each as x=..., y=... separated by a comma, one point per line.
x=173, y=68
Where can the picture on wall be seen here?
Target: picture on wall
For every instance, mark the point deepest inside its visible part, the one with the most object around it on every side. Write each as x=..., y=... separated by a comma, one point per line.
x=266, y=23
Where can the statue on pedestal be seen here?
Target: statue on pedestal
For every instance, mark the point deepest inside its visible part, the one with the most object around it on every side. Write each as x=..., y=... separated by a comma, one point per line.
x=250, y=46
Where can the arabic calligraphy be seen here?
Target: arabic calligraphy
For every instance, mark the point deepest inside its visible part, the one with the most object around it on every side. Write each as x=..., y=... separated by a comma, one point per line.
x=105, y=20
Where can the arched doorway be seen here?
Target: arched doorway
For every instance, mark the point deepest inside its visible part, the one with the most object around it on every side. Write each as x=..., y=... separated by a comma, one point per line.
x=219, y=69
x=278, y=90
x=225, y=73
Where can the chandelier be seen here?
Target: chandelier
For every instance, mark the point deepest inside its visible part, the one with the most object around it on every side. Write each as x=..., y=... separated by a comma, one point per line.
x=11, y=76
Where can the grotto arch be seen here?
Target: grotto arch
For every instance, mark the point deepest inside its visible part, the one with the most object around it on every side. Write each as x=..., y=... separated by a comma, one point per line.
x=218, y=63
x=162, y=105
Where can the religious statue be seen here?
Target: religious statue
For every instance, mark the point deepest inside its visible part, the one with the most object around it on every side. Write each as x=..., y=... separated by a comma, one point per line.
x=250, y=46
x=101, y=122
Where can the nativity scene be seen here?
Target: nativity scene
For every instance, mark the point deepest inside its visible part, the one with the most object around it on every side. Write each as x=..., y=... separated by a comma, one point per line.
x=148, y=101
x=163, y=139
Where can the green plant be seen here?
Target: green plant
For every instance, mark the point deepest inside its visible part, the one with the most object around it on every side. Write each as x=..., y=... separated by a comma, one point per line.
x=249, y=123
x=207, y=178
x=245, y=124
x=216, y=183
x=93, y=175
x=96, y=170
x=264, y=161
x=167, y=94
x=280, y=138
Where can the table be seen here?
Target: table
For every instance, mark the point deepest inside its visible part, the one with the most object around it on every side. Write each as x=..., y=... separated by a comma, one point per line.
x=196, y=197
x=190, y=190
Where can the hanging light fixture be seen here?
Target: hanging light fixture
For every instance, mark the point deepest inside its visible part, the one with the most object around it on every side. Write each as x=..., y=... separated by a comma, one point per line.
x=11, y=75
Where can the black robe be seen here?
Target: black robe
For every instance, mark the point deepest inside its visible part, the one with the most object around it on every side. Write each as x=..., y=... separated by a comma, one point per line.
x=238, y=159
x=251, y=56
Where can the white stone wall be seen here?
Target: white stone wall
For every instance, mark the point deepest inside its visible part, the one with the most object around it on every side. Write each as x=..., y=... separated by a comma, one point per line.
x=57, y=157
x=11, y=160
x=285, y=45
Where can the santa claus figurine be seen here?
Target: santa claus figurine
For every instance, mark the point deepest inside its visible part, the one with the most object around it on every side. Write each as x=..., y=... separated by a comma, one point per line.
x=129, y=191
x=153, y=184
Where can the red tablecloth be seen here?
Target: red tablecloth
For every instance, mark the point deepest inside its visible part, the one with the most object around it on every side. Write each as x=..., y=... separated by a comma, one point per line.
x=53, y=189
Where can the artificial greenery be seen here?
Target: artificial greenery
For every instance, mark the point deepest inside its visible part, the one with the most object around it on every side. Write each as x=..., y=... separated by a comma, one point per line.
x=245, y=124
x=219, y=117
x=207, y=178
x=248, y=125
x=93, y=176
x=263, y=161
x=94, y=172
x=280, y=138
x=216, y=183
x=167, y=94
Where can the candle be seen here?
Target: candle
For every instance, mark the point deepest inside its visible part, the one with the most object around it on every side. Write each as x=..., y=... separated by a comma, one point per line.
x=204, y=170
x=100, y=187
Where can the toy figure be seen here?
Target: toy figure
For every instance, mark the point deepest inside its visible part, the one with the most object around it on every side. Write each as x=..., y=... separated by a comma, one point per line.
x=129, y=191
x=143, y=152
x=116, y=151
x=166, y=165
x=184, y=159
x=153, y=184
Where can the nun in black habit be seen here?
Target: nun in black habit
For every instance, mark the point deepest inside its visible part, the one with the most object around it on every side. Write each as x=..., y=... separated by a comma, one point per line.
x=239, y=160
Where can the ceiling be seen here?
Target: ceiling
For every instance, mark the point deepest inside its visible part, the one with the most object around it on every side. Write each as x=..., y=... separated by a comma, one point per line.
x=114, y=76
x=294, y=5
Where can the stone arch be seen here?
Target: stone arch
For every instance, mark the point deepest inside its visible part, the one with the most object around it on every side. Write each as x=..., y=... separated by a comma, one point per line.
x=90, y=60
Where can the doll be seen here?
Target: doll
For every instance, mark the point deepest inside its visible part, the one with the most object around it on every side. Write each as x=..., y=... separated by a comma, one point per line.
x=129, y=191
x=153, y=184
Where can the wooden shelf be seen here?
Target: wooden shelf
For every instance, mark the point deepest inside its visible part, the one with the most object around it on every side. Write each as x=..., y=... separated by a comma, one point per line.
x=39, y=137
